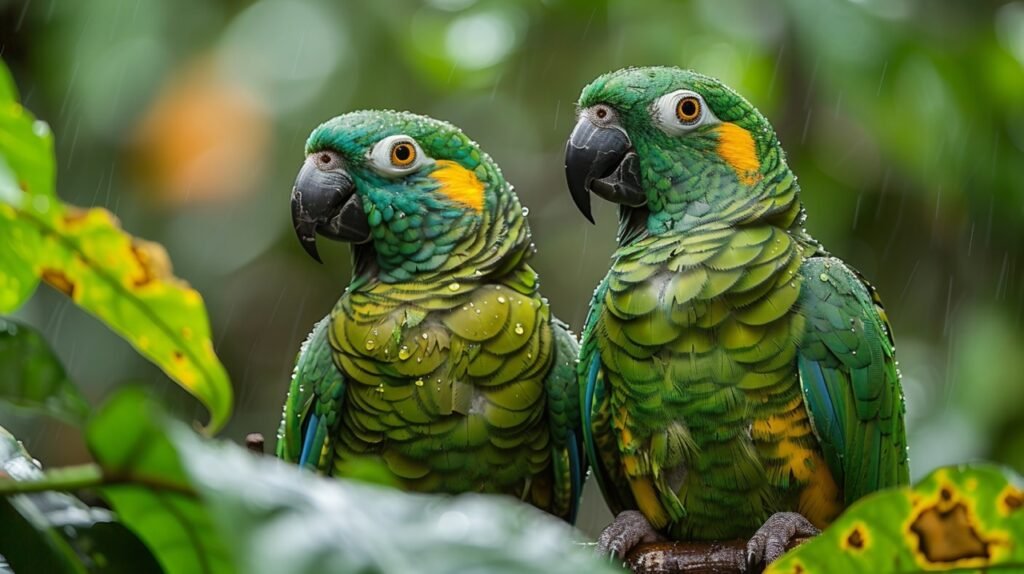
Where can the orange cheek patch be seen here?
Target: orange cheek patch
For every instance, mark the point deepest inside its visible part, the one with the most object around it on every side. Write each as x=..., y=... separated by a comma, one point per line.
x=459, y=184
x=736, y=146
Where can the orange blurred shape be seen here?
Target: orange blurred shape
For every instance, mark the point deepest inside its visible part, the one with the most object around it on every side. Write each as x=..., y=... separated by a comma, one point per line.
x=203, y=139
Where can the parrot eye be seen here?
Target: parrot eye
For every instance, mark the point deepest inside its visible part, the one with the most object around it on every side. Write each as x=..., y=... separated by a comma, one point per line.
x=402, y=154
x=681, y=111
x=688, y=109
x=396, y=155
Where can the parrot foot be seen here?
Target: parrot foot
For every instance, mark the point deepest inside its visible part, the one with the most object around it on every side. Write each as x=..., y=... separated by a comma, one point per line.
x=770, y=541
x=629, y=529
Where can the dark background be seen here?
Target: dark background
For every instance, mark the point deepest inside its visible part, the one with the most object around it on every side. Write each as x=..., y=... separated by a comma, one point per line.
x=904, y=120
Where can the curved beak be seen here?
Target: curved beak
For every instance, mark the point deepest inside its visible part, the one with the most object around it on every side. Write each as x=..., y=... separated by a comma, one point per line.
x=601, y=160
x=325, y=202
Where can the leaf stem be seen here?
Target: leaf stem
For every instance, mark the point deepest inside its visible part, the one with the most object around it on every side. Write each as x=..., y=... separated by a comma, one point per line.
x=87, y=476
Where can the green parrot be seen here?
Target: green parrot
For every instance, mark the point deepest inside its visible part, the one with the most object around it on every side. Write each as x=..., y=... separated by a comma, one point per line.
x=441, y=360
x=737, y=380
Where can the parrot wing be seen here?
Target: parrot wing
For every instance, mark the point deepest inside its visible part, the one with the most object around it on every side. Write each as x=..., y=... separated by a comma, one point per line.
x=314, y=403
x=849, y=380
x=568, y=459
x=598, y=437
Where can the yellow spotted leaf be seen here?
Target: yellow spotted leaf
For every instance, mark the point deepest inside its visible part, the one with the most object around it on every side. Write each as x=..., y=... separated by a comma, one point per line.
x=124, y=281
x=965, y=519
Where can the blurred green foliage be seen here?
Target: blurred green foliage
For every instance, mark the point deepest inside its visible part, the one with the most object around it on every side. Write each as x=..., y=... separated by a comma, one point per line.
x=903, y=119
x=202, y=506
x=33, y=377
x=56, y=532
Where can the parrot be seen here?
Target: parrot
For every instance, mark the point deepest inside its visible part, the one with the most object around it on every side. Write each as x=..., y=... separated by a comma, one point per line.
x=737, y=380
x=441, y=361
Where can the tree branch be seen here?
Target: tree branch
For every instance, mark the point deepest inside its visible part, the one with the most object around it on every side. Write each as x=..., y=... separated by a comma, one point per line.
x=725, y=557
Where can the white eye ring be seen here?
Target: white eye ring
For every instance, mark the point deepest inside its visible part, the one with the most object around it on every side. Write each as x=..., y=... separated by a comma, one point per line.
x=602, y=115
x=666, y=115
x=382, y=160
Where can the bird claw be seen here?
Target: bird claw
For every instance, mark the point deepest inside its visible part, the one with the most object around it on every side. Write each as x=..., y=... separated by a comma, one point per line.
x=629, y=529
x=770, y=541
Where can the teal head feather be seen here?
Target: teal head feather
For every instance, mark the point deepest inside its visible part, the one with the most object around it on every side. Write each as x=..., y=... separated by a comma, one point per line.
x=434, y=203
x=697, y=152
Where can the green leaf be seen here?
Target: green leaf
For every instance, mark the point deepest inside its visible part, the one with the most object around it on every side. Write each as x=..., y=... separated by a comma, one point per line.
x=278, y=518
x=26, y=145
x=28, y=542
x=31, y=376
x=965, y=518
x=56, y=532
x=27, y=174
x=149, y=488
x=127, y=282
x=19, y=243
x=124, y=281
x=256, y=514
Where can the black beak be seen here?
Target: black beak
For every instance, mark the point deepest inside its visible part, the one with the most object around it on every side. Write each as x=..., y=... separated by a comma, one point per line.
x=325, y=202
x=601, y=160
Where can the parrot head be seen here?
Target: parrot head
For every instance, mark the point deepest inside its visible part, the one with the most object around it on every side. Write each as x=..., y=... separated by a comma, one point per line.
x=675, y=146
x=409, y=188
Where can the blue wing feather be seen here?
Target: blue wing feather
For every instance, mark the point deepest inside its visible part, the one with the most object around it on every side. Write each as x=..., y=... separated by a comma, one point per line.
x=576, y=472
x=309, y=444
x=317, y=390
x=848, y=376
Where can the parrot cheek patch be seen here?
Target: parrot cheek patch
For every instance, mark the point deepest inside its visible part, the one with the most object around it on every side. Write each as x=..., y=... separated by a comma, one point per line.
x=736, y=147
x=459, y=184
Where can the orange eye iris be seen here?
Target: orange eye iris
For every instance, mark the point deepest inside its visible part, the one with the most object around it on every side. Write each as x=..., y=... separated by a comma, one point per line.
x=688, y=109
x=403, y=154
